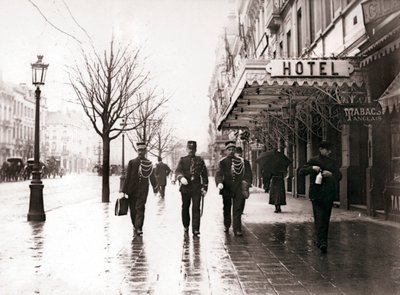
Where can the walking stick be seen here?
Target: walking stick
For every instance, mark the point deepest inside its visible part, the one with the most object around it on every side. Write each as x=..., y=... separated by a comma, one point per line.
x=203, y=193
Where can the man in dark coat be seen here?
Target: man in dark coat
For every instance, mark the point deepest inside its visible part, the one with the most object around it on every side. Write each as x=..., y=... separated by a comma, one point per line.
x=162, y=171
x=324, y=181
x=193, y=177
x=273, y=172
x=229, y=177
x=247, y=171
x=136, y=186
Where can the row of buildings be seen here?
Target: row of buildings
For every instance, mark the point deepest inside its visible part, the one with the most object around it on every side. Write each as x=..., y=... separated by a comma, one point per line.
x=64, y=134
x=302, y=71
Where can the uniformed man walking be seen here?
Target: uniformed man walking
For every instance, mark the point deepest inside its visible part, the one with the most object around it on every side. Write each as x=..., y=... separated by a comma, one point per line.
x=136, y=186
x=248, y=174
x=193, y=177
x=229, y=177
x=324, y=180
x=162, y=171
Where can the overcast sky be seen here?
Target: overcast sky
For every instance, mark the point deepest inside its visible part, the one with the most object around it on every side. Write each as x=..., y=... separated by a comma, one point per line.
x=178, y=37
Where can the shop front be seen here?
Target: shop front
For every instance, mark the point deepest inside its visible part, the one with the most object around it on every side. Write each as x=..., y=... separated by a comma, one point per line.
x=300, y=102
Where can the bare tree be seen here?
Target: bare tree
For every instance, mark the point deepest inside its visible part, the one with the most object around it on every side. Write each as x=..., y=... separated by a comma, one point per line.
x=147, y=119
x=164, y=141
x=106, y=86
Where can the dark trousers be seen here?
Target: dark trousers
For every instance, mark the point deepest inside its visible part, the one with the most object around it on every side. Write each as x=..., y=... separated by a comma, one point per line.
x=137, y=204
x=322, y=214
x=161, y=190
x=233, y=206
x=187, y=199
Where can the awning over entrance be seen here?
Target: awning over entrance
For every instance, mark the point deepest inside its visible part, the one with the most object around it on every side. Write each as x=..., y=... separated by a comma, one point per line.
x=391, y=97
x=273, y=85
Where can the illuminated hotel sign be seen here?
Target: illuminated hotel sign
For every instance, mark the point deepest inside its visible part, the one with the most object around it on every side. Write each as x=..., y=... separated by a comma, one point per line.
x=309, y=68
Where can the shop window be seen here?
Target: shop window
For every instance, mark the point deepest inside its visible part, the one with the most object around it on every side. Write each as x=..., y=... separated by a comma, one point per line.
x=395, y=147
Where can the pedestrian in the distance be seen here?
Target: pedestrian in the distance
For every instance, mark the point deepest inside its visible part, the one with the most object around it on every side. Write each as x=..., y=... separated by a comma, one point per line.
x=136, y=186
x=324, y=181
x=162, y=171
x=273, y=172
x=248, y=178
x=193, y=177
x=229, y=177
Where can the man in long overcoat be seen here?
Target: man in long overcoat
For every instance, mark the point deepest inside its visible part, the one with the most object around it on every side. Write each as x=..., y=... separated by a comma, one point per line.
x=136, y=186
x=162, y=171
x=193, y=176
x=229, y=177
x=324, y=182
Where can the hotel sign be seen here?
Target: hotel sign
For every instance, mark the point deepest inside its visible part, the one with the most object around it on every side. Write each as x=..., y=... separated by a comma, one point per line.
x=361, y=113
x=375, y=9
x=310, y=68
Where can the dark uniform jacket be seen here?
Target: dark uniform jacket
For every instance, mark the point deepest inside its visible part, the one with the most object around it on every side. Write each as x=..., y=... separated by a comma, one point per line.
x=162, y=170
x=134, y=182
x=231, y=181
x=328, y=189
x=195, y=171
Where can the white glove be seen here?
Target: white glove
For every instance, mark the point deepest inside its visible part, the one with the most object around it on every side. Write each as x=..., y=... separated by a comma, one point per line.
x=220, y=186
x=184, y=181
x=316, y=168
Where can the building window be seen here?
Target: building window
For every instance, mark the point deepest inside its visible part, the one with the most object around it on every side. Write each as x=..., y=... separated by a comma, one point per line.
x=281, y=49
x=299, y=34
x=315, y=18
x=395, y=152
x=289, y=44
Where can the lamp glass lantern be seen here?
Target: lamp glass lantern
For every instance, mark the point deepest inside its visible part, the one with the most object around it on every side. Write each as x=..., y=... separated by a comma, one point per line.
x=39, y=70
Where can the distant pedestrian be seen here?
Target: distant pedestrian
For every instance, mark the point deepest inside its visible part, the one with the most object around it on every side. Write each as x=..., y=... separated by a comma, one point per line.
x=193, y=177
x=324, y=181
x=273, y=173
x=229, y=177
x=136, y=186
x=248, y=174
x=161, y=172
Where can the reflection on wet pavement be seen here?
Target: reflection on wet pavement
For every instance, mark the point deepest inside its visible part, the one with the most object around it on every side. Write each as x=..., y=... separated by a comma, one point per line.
x=84, y=249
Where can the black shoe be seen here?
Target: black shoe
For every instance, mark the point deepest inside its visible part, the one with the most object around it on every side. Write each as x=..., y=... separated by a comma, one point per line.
x=226, y=229
x=323, y=248
x=139, y=232
x=196, y=233
x=238, y=233
x=186, y=229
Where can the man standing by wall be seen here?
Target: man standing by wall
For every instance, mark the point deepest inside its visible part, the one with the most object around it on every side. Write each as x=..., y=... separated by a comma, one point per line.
x=229, y=177
x=136, y=186
x=193, y=176
x=162, y=171
x=325, y=176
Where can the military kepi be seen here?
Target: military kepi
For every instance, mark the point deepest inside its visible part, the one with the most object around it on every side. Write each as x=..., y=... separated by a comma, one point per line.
x=141, y=146
x=230, y=144
x=191, y=144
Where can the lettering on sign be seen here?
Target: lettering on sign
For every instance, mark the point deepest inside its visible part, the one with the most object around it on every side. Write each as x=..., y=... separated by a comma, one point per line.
x=310, y=68
x=376, y=9
x=361, y=113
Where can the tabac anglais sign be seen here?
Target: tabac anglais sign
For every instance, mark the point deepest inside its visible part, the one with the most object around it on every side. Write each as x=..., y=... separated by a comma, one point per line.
x=310, y=68
x=361, y=113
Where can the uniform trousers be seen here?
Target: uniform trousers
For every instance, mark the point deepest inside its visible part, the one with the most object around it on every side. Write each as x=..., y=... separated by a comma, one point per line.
x=322, y=214
x=194, y=197
x=161, y=190
x=233, y=205
x=137, y=202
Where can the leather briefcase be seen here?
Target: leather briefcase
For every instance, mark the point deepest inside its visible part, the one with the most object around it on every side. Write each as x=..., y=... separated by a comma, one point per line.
x=121, y=206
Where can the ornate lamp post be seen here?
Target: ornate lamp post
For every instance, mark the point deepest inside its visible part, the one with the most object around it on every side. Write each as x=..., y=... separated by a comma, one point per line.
x=36, y=208
x=122, y=178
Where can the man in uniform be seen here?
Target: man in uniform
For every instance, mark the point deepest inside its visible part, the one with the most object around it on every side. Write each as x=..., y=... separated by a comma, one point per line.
x=193, y=176
x=136, y=186
x=229, y=177
x=324, y=180
x=162, y=171
x=248, y=174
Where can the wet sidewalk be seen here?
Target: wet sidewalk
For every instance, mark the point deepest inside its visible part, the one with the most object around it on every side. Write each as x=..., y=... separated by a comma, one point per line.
x=84, y=249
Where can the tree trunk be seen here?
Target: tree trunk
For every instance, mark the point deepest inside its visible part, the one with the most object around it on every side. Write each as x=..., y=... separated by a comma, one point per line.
x=106, y=170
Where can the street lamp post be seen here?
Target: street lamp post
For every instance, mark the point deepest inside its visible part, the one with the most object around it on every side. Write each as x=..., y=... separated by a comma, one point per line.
x=36, y=208
x=122, y=178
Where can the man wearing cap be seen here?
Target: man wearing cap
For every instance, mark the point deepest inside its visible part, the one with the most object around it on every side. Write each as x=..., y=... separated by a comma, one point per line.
x=136, y=186
x=229, y=177
x=162, y=171
x=192, y=174
x=324, y=181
